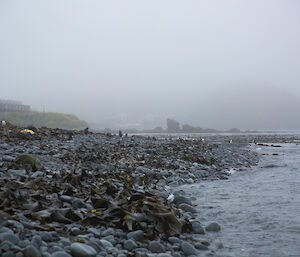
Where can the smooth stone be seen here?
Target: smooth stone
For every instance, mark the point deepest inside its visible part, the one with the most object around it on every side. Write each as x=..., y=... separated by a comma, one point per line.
x=187, y=208
x=36, y=174
x=60, y=254
x=30, y=250
x=213, y=227
x=188, y=249
x=24, y=243
x=8, y=158
x=129, y=244
x=105, y=243
x=9, y=237
x=137, y=235
x=78, y=203
x=19, y=254
x=156, y=247
x=6, y=245
x=164, y=255
x=36, y=241
x=197, y=228
x=94, y=231
x=8, y=254
x=107, y=232
x=82, y=250
x=19, y=173
x=174, y=240
x=19, y=226
x=66, y=198
x=201, y=247
x=179, y=199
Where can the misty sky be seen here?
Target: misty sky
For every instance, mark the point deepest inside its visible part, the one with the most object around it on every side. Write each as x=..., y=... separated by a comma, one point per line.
x=219, y=64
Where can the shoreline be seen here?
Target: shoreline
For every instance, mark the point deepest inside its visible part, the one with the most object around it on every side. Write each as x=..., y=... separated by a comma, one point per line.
x=108, y=195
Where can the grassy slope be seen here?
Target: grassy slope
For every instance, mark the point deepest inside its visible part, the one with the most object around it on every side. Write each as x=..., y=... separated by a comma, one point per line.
x=39, y=119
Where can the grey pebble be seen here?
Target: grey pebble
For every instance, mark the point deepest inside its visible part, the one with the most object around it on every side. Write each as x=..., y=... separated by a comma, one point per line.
x=9, y=237
x=8, y=254
x=137, y=235
x=187, y=208
x=174, y=240
x=188, y=249
x=197, y=228
x=82, y=250
x=105, y=243
x=156, y=247
x=213, y=227
x=129, y=244
x=30, y=250
x=107, y=232
x=60, y=254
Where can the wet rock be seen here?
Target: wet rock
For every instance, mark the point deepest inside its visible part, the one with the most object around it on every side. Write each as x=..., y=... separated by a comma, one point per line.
x=105, y=243
x=137, y=235
x=31, y=251
x=213, y=227
x=107, y=232
x=36, y=241
x=197, y=228
x=78, y=203
x=164, y=255
x=7, y=236
x=60, y=254
x=8, y=158
x=82, y=250
x=156, y=247
x=129, y=244
x=174, y=240
x=187, y=208
x=179, y=199
x=188, y=249
x=201, y=247
x=17, y=173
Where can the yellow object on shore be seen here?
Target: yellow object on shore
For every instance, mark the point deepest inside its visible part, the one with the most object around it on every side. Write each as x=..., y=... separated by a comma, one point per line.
x=27, y=131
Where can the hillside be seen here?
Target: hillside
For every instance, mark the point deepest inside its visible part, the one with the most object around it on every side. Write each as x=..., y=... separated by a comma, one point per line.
x=48, y=119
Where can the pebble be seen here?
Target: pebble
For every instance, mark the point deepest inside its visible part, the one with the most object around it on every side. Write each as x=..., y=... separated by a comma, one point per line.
x=60, y=254
x=213, y=227
x=8, y=236
x=137, y=235
x=82, y=250
x=179, y=199
x=174, y=240
x=187, y=208
x=107, y=232
x=31, y=251
x=129, y=244
x=197, y=228
x=156, y=247
x=105, y=243
x=8, y=158
x=188, y=249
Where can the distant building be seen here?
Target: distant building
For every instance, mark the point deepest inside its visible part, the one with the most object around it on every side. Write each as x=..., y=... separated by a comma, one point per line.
x=13, y=106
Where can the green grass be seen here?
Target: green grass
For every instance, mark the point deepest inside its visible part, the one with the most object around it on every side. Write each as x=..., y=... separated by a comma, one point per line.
x=47, y=119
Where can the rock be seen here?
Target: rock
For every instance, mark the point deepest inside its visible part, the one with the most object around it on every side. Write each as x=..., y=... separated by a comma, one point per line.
x=8, y=254
x=164, y=255
x=94, y=231
x=179, y=199
x=187, y=208
x=8, y=158
x=156, y=247
x=19, y=226
x=78, y=203
x=188, y=249
x=213, y=227
x=137, y=235
x=174, y=240
x=197, y=228
x=129, y=244
x=7, y=236
x=31, y=251
x=66, y=198
x=17, y=173
x=36, y=241
x=107, y=232
x=105, y=243
x=82, y=250
x=201, y=247
x=6, y=245
x=60, y=254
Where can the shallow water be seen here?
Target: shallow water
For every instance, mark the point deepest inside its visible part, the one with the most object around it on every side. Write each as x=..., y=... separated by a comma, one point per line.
x=258, y=209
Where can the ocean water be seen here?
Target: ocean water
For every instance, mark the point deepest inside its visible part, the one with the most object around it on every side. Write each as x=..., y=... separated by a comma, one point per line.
x=258, y=209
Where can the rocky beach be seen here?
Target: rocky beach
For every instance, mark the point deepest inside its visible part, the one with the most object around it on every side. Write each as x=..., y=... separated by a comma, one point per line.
x=78, y=193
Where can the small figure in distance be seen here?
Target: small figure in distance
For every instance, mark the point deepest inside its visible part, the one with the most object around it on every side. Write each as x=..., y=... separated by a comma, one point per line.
x=3, y=123
x=202, y=139
x=120, y=133
x=86, y=131
x=230, y=141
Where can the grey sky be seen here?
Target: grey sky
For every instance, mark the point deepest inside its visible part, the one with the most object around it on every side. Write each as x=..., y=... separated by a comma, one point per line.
x=210, y=63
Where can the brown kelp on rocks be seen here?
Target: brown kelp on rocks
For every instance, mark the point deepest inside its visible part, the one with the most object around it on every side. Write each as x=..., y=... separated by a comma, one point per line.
x=80, y=193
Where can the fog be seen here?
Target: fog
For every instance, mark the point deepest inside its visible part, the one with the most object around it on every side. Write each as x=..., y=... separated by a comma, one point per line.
x=213, y=64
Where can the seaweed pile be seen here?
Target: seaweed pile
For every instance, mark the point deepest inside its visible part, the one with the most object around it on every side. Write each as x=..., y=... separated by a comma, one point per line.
x=78, y=184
